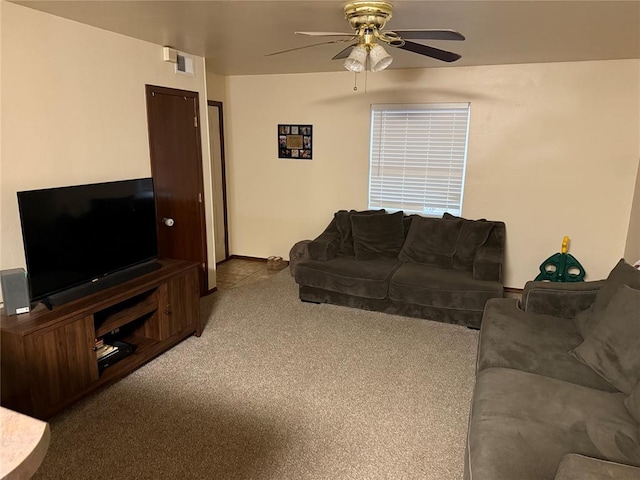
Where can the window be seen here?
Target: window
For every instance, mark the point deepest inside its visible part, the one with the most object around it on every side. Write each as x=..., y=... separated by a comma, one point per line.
x=418, y=157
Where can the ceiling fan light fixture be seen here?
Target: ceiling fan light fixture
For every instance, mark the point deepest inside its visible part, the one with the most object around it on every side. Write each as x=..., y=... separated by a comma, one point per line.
x=379, y=58
x=357, y=59
x=368, y=19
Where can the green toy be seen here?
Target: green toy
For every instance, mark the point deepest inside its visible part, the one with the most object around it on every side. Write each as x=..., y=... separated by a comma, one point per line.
x=561, y=267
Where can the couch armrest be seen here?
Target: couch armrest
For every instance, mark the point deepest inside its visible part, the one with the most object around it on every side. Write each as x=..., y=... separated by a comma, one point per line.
x=298, y=253
x=487, y=264
x=325, y=247
x=559, y=299
x=579, y=467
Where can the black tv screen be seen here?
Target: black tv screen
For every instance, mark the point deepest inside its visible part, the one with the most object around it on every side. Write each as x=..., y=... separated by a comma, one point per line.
x=73, y=235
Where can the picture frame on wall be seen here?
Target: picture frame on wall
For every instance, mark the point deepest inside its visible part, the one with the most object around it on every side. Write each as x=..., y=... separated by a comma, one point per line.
x=295, y=141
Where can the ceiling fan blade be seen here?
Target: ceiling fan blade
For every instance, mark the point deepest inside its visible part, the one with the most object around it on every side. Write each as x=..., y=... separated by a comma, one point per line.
x=307, y=46
x=430, y=34
x=430, y=51
x=325, y=34
x=344, y=53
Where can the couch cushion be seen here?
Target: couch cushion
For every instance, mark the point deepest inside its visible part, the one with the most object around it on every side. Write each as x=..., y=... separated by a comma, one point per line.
x=622, y=274
x=532, y=342
x=343, y=225
x=368, y=279
x=449, y=216
x=406, y=222
x=377, y=236
x=612, y=349
x=436, y=287
x=579, y=467
x=522, y=424
x=431, y=241
x=325, y=246
x=632, y=402
x=473, y=235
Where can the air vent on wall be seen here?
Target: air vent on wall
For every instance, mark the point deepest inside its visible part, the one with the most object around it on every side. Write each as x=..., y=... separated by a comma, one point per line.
x=184, y=64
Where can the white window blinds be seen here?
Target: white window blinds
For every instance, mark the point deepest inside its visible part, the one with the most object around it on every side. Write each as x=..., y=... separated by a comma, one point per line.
x=418, y=157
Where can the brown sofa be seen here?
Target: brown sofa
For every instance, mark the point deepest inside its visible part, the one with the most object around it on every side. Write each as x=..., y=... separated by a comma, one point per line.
x=557, y=392
x=442, y=269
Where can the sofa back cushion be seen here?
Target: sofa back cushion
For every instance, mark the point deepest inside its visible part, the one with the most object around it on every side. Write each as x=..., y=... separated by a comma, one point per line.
x=343, y=224
x=622, y=274
x=431, y=241
x=377, y=236
x=612, y=347
x=406, y=221
x=474, y=234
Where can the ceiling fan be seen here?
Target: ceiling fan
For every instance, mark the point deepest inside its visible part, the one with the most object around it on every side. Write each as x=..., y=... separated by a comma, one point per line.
x=368, y=20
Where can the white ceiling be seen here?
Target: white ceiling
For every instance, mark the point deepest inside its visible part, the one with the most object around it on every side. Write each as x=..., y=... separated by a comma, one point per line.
x=234, y=35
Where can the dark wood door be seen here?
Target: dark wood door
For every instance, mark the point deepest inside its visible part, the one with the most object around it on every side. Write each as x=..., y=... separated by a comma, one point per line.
x=176, y=166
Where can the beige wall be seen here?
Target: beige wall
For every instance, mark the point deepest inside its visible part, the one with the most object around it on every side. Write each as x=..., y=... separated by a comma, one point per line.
x=74, y=109
x=553, y=151
x=216, y=87
x=632, y=252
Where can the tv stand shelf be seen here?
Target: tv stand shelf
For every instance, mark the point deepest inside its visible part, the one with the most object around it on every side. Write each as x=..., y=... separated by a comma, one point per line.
x=124, y=314
x=48, y=359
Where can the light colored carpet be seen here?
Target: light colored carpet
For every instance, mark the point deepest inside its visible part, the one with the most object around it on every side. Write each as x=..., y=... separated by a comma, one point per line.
x=279, y=389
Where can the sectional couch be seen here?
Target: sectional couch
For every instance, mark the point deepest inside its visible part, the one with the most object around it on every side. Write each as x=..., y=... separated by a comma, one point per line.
x=441, y=269
x=557, y=393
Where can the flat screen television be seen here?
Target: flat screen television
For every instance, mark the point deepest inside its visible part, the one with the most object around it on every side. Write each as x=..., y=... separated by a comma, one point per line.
x=75, y=237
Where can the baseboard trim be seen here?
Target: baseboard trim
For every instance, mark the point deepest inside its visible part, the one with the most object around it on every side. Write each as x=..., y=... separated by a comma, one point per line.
x=243, y=257
x=209, y=292
x=513, y=290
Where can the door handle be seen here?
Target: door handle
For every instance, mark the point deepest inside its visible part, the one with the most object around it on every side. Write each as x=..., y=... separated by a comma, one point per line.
x=169, y=222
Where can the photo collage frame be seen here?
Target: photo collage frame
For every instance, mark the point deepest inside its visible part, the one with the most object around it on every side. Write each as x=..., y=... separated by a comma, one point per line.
x=295, y=141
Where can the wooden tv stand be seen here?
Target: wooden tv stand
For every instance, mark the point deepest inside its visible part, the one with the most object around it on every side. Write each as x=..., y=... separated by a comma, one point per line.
x=48, y=359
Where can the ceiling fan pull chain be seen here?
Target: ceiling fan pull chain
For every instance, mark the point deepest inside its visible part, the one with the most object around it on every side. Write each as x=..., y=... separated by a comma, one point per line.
x=355, y=82
x=365, y=82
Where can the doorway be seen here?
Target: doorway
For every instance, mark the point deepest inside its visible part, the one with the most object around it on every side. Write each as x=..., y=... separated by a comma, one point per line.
x=176, y=166
x=219, y=180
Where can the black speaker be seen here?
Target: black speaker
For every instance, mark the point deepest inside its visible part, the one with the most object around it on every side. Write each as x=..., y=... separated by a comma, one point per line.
x=15, y=291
